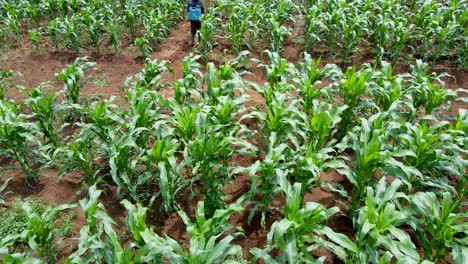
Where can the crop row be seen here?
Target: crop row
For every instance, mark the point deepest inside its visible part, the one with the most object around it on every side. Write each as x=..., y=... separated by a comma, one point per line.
x=389, y=29
x=86, y=24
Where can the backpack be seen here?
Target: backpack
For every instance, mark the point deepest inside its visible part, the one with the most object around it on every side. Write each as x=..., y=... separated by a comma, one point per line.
x=194, y=12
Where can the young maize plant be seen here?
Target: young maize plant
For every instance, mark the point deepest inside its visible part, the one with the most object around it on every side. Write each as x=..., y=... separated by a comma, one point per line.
x=367, y=141
x=205, y=232
x=130, y=16
x=262, y=175
x=425, y=90
x=278, y=33
x=222, y=81
x=379, y=236
x=237, y=27
x=45, y=112
x=35, y=37
x=301, y=230
x=98, y=242
x=144, y=46
x=150, y=77
x=207, y=33
x=17, y=138
x=389, y=89
x=209, y=153
x=6, y=77
x=187, y=89
x=112, y=30
x=79, y=155
x=71, y=31
x=171, y=183
x=39, y=235
x=314, y=26
x=351, y=90
x=55, y=32
x=323, y=126
x=94, y=28
x=13, y=22
x=353, y=30
x=74, y=79
x=444, y=226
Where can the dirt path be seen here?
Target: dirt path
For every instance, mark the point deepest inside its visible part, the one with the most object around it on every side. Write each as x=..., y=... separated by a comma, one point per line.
x=175, y=47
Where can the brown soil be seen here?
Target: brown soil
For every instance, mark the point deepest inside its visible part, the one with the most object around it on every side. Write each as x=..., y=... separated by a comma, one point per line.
x=40, y=66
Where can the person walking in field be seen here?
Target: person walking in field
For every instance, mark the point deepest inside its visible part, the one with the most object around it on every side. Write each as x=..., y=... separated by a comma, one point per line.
x=195, y=10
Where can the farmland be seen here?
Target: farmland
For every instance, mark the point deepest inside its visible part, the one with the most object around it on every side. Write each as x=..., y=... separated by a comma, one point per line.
x=293, y=132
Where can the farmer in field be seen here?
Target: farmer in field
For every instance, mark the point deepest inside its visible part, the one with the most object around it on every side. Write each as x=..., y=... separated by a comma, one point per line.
x=195, y=9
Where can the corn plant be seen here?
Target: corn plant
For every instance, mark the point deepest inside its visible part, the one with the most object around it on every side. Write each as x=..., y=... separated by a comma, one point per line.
x=150, y=77
x=209, y=153
x=112, y=30
x=184, y=120
x=45, y=112
x=237, y=26
x=205, y=231
x=74, y=79
x=122, y=151
x=352, y=36
x=78, y=155
x=17, y=138
x=55, y=31
x=35, y=37
x=389, y=89
x=263, y=177
x=309, y=75
x=300, y=231
x=71, y=31
x=422, y=144
x=98, y=241
x=39, y=234
x=143, y=112
x=351, y=89
x=189, y=86
x=279, y=72
x=5, y=78
x=171, y=183
x=379, y=235
x=13, y=22
x=323, y=125
x=367, y=143
x=144, y=46
x=18, y=257
x=278, y=34
x=207, y=33
x=222, y=81
x=314, y=26
x=426, y=92
x=400, y=37
x=130, y=18
x=94, y=29
x=440, y=225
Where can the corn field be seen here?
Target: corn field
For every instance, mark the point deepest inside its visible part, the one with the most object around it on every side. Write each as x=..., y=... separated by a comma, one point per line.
x=395, y=139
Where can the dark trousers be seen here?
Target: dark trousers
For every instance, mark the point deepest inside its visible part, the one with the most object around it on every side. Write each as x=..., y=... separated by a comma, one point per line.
x=194, y=28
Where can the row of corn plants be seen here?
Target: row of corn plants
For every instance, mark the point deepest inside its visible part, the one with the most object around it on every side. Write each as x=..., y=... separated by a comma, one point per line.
x=90, y=24
x=391, y=136
x=392, y=30
x=405, y=31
